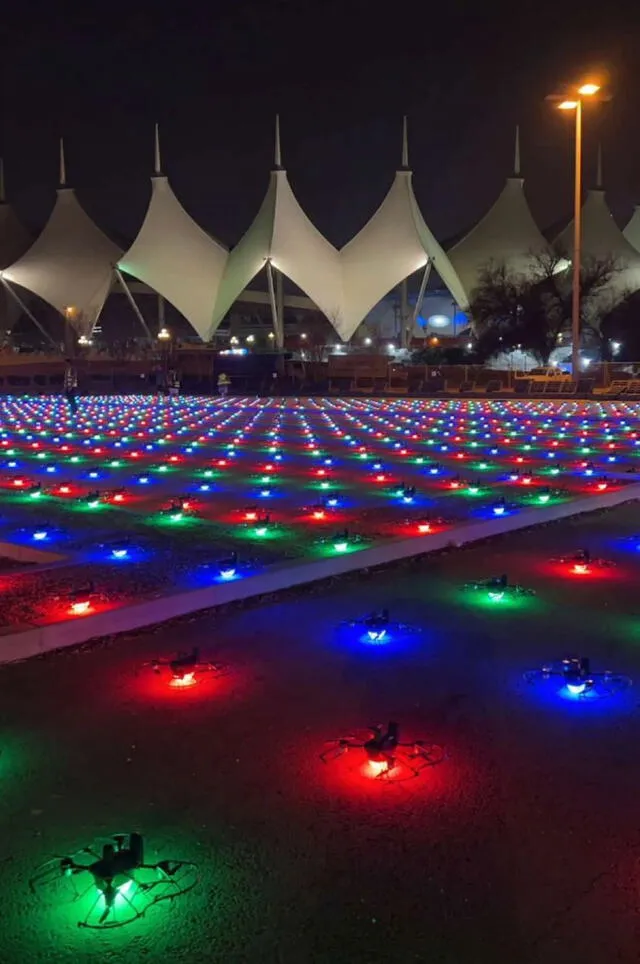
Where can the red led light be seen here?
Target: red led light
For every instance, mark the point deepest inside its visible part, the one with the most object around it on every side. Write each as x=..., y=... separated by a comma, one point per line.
x=424, y=527
x=377, y=767
x=80, y=608
x=180, y=682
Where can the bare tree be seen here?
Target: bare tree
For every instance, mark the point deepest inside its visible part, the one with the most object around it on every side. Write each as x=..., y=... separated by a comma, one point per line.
x=532, y=309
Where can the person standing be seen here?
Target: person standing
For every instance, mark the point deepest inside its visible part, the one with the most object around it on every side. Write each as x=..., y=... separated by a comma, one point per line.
x=174, y=383
x=71, y=386
x=223, y=384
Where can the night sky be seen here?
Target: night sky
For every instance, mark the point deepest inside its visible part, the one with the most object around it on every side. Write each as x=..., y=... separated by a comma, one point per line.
x=341, y=76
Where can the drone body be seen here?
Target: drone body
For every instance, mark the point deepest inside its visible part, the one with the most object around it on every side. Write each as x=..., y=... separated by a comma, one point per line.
x=186, y=669
x=579, y=681
x=386, y=757
x=498, y=588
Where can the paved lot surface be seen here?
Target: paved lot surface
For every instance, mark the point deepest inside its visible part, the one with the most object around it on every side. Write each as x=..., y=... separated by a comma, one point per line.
x=522, y=847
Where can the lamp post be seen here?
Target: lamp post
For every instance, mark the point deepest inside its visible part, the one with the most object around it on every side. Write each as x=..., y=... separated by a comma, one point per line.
x=574, y=101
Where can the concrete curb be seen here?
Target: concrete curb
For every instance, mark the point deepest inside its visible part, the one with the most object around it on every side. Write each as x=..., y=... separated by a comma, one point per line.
x=42, y=639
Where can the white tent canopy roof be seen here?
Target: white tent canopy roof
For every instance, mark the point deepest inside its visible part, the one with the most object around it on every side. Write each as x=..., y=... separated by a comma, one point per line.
x=70, y=265
x=506, y=234
x=283, y=234
x=175, y=257
x=346, y=284
x=390, y=247
x=602, y=239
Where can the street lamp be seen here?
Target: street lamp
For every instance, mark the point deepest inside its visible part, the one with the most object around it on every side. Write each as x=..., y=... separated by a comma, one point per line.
x=573, y=101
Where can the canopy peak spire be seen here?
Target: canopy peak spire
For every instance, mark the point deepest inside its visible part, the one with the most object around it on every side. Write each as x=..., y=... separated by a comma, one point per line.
x=63, y=165
x=405, y=143
x=157, y=164
x=277, y=153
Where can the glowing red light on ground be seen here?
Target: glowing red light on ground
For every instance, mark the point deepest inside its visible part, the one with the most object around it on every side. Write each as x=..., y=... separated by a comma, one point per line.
x=80, y=608
x=602, y=486
x=580, y=568
x=377, y=767
x=181, y=682
x=18, y=482
x=424, y=527
x=319, y=514
x=250, y=516
x=118, y=498
x=454, y=485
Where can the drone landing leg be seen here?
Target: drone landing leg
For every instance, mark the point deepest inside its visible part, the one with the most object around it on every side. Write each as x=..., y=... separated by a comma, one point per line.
x=90, y=912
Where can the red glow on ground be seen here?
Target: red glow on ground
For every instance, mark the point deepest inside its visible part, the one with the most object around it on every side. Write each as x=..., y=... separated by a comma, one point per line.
x=582, y=571
x=191, y=688
x=80, y=608
x=187, y=679
x=375, y=768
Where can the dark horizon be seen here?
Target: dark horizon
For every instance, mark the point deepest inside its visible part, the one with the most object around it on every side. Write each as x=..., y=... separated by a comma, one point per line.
x=341, y=79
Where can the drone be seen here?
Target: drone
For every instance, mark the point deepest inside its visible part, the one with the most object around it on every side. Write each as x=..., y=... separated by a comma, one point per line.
x=186, y=668
x=386, y=757
x=115, y=495
x=582, y=562
x=125, y=887
x=497, y=588
x=176, y=509
x=92, y=499
x=378, y=626
x=405, y=492
x=228, y=567
x=580, y=681
x=80, y=599
x=320, y=510
x=341, y=540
